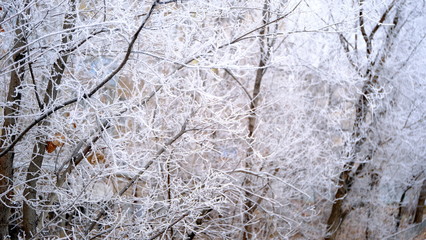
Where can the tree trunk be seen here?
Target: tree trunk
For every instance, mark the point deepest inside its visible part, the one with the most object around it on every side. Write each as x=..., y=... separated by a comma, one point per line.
x=359, y=134
x=346, y=178
x=30, y=219
x=418, y=217
x=249, y=202
x=10, y=113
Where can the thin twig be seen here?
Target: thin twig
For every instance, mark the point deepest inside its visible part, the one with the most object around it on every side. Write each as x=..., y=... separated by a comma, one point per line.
x=40, y=104
x=85, y=96
x=239, y=83
x=141, y=172
x=381, y=21
x=63, y=211
x=169, y=226
x=263, y=26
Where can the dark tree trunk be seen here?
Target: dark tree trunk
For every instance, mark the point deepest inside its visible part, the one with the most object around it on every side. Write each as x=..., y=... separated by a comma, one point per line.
x=10, y=112
x=249, y=203
x=418, y=216
x=348, y=176
x=30, y=219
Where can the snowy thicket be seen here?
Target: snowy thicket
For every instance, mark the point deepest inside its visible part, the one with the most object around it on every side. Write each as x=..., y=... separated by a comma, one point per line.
x=212, y=119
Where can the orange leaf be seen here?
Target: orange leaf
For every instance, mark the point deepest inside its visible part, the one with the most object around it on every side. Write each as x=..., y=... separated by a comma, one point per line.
x=50, y=147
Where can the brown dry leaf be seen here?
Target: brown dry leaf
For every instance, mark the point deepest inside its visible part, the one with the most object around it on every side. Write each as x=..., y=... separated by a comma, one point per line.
x=96, y=158
x=50, y=146
x=59, y=140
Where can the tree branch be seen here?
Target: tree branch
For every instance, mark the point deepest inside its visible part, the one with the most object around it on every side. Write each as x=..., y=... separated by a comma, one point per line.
x=141, y=172
x=381, y=21
x=362, y=28
x=85, y=96
x=239, y=83
x=40, y=104
x=169, y=226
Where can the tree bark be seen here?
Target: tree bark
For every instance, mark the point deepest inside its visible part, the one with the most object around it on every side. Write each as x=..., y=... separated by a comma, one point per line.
x=10, y=115
x=346, y=178
x=418, y=217
x=249, y=203
x=374, y=66
x=30, y=219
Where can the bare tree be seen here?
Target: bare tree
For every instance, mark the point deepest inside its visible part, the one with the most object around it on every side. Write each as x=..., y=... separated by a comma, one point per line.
x=209, y=119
